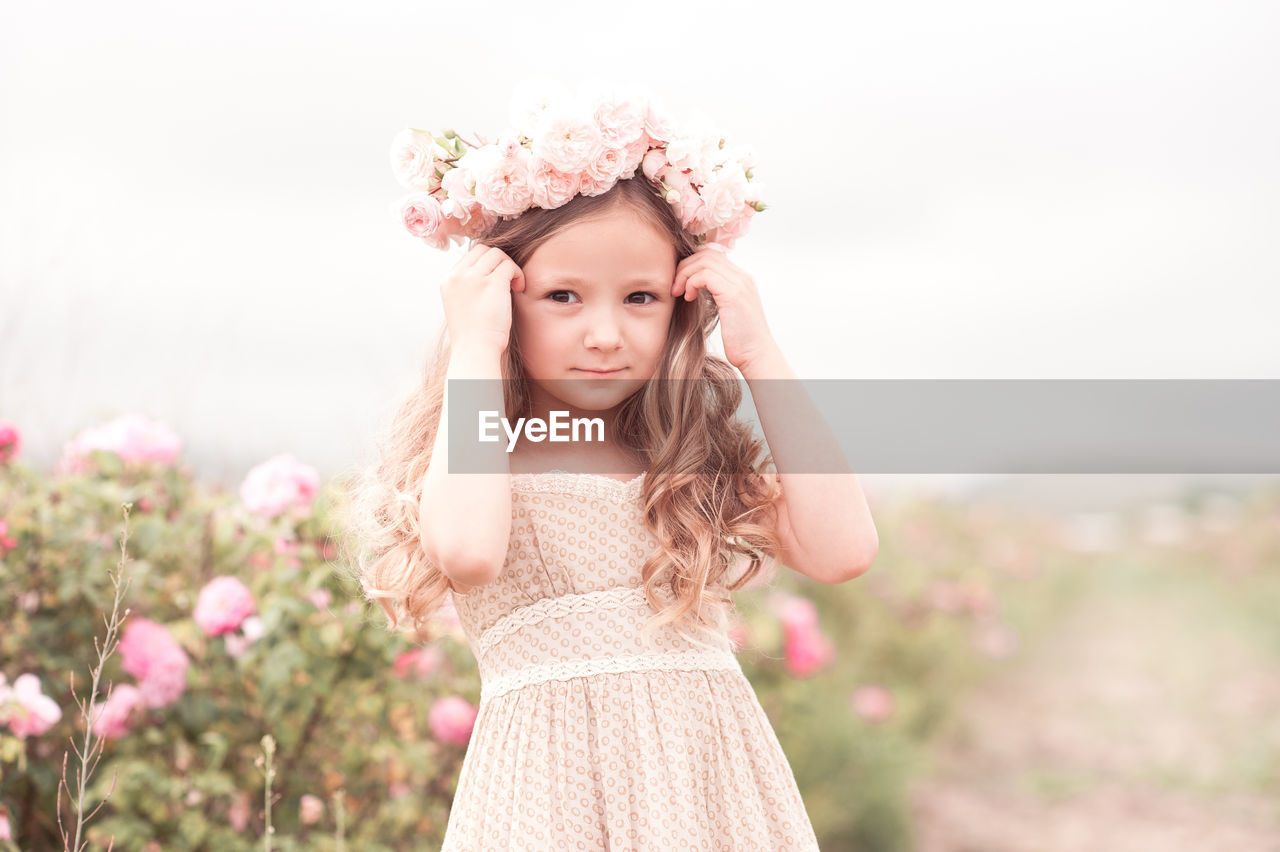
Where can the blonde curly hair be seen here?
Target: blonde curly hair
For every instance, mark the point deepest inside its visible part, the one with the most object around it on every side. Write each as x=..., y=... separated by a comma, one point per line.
x=708, y=496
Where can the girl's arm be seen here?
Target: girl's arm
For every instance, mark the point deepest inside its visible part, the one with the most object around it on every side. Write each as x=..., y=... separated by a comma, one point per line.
x=823, y=518
x=465, y=518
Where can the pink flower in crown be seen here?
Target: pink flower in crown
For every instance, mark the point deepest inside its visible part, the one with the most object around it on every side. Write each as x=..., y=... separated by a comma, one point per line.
x=224, y=603
x=112, y=718
x=10, y=441
x=451, y=719
x=723, y=196
x=132, y=437
x=502, y=183
x=25, y=707
x=420, y=213
x=607, y=165
x=653, y=163
x=690, y=205
x=451, y=233
x=657, y=122
x=414, y=156
x=551, y=187
x=633, y=155
x=280, y=484
x=728, y=233
x=568, y=139
x=620, y=119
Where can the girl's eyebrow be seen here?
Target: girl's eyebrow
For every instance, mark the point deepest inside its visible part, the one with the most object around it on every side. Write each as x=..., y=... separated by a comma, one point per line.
x=578, y=282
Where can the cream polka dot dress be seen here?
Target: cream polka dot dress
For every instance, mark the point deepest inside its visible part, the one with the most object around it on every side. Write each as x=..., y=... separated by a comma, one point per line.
x=587, y=737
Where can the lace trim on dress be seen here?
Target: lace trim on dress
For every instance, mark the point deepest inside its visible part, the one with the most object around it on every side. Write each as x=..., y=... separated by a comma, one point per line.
x=581, y=484
x=540, y=610
x=568, y=669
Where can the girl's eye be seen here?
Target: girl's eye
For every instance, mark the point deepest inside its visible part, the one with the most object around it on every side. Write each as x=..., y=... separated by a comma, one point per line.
x=555, y=294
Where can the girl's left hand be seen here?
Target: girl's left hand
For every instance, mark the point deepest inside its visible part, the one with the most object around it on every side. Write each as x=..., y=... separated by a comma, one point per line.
x=743, y=328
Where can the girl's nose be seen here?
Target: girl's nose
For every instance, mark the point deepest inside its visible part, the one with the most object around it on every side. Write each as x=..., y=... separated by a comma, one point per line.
x=603, y=332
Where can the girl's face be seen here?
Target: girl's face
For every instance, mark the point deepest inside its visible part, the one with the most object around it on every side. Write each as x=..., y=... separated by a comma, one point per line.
x=597, y=297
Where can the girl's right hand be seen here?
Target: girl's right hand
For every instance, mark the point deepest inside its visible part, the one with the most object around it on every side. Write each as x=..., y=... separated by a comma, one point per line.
x=477, y=297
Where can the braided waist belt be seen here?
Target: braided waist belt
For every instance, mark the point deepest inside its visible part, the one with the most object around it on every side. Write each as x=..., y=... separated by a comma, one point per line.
x=586, y=634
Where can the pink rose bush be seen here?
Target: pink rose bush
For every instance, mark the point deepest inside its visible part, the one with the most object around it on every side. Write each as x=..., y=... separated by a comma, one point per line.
x=223, y=604
x=10, y=441
x=25, y=708
x=451, y=719
x=149, y=652
x=419, y=663
x=872, y=702
x=561, y=144
x=132, y=437
x=113, y=718
x=806, y=648
x=279, y=485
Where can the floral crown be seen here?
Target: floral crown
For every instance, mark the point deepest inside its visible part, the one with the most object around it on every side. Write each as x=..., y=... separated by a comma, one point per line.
x=560, y=145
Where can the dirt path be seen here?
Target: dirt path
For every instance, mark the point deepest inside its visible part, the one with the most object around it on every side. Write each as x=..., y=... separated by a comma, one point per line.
x=1149, y=720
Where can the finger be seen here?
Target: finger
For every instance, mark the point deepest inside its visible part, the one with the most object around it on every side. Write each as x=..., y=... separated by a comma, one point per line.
x=517, y=278
x=491, y=260
x=687, y=267
x=473, y=254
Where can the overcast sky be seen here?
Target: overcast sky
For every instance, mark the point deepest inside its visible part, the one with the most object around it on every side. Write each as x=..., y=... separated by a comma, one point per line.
x=194, y=205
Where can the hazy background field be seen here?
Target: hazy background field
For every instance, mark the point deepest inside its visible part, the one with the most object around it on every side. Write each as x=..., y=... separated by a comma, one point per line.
x=195, y=220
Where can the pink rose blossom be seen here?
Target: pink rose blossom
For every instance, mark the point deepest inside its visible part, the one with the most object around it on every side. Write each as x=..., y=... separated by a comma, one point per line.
x=280, y=484
x=872, y=702
x=654, y=161
x=414, y=156
x=26, y=709
x=606, y=166
x=149, y=652
x=632, y=155
x=111, y=719
x=657, y=122
x=420, y=213
x=310, y=809
x=723, y=196
x=451, y=719
x=224, y=603
x=10, y=441
x=550, y=187
x=727, y=234
x=807, y=650
x=502, y=183
x=795, y=612
x=7, y=542
x=320, y=597
x=567, y=139
x=132, y=437
x=620, y=119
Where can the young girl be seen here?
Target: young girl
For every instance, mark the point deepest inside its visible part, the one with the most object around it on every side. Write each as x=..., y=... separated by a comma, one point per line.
x=591, y=578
